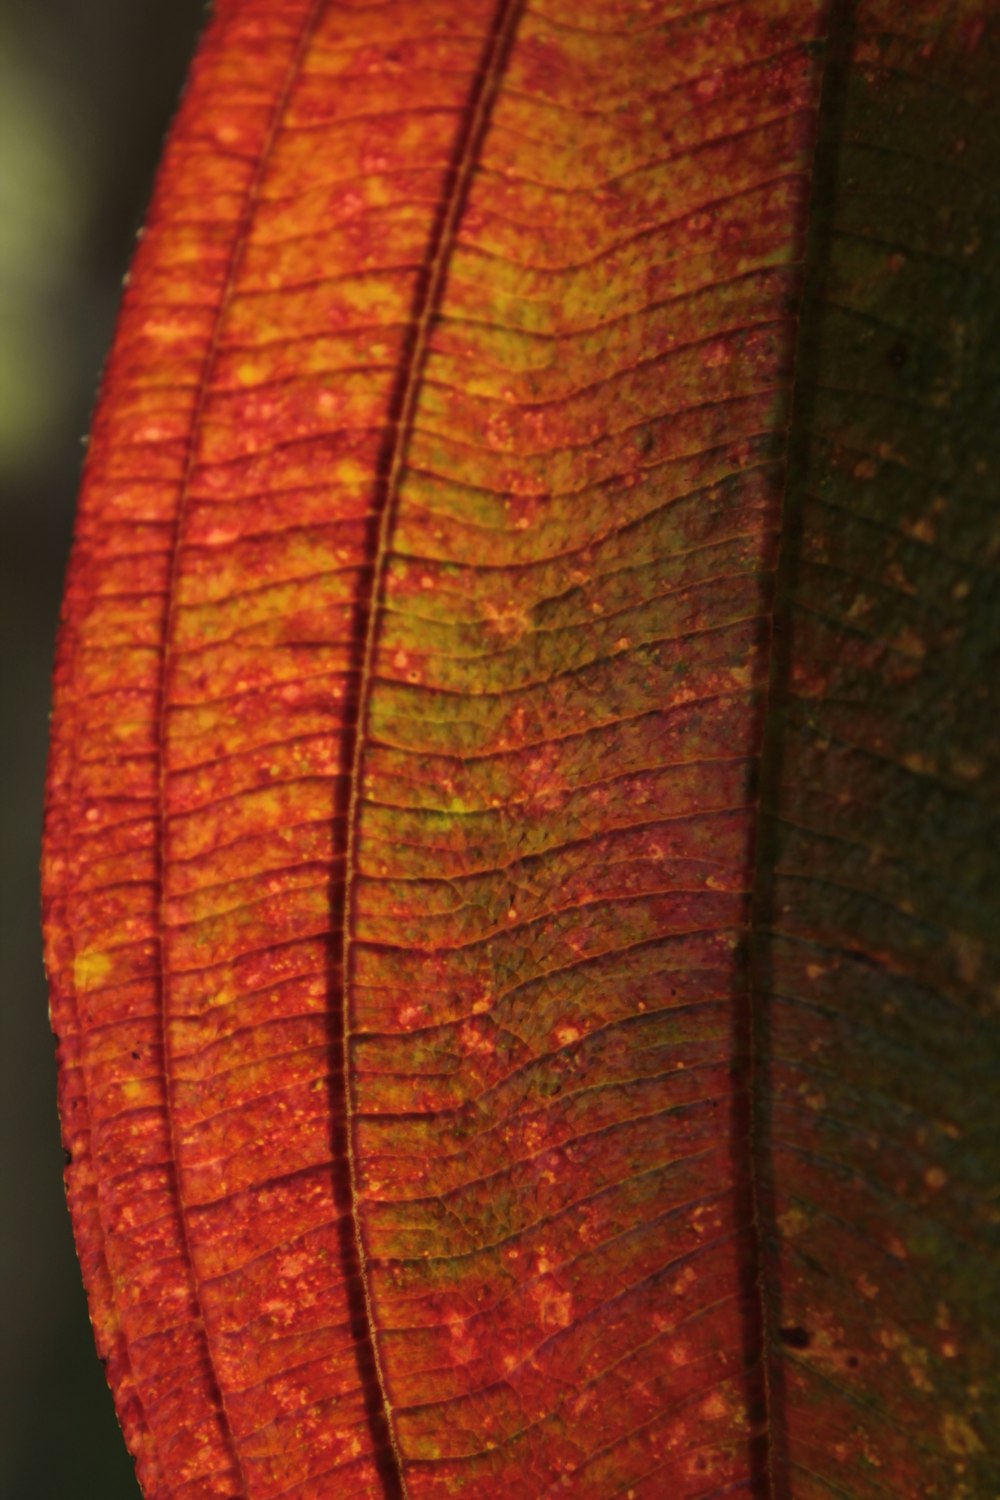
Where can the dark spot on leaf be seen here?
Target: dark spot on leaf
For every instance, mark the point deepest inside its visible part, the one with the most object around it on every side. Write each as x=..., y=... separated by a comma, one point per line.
x=795, y=1337
x=853, y=1361
x=136, y=1056
x=863, y=958
x=897, y=355
x=67, y=1157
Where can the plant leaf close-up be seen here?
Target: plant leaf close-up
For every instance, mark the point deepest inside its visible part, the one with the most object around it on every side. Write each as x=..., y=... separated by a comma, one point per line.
x=521, y=841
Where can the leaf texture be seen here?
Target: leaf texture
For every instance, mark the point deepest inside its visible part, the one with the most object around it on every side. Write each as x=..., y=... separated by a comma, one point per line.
x=519, y=921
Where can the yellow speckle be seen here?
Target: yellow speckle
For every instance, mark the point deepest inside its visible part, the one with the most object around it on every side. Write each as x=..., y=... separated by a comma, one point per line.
x=792, y=1222
x=935, y=1177
x=914, y=1357
x=959, y=1437
x=555, y=1308
x=909, y=642
x=90, y=970
x=921, y=530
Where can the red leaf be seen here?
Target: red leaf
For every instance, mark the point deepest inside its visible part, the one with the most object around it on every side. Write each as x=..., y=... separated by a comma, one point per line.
x=520, y=952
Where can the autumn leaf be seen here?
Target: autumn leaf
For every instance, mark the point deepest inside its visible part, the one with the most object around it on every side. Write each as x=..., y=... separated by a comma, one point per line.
x=522, y=828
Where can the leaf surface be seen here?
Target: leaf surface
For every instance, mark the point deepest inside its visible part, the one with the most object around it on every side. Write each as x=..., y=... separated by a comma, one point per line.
x=519, y=919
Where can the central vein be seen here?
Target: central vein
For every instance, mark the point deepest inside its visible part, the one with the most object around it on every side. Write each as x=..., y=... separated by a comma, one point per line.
x=815, y=238
x=426, y=303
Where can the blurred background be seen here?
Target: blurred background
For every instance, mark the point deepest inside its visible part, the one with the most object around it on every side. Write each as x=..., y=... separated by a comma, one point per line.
x=87, y=90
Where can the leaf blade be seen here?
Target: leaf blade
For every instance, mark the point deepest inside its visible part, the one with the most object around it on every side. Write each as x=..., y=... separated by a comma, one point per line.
x=468, y=690
x=511, y=1247
x=874, y=956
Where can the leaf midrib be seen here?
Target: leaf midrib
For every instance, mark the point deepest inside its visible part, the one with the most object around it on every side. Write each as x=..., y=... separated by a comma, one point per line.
x=392, y=464
x=815, y=240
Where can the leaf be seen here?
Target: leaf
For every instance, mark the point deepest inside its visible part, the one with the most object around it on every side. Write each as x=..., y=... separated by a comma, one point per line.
x=521, y=840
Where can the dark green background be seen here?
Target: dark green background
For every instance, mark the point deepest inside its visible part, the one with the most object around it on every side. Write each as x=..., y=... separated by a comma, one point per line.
x=87, y=88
